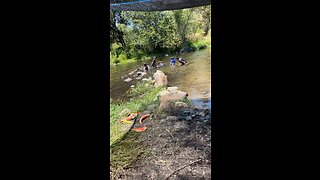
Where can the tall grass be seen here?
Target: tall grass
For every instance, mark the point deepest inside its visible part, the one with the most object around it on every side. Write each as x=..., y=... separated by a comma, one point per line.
x=144, y=94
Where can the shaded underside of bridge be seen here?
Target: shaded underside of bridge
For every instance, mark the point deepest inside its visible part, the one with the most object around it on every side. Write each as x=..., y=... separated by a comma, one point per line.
x=155, y=5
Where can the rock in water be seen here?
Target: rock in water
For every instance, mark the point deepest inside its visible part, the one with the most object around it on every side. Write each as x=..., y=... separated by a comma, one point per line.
x=128, y=80
x=175, y=95
x=167, y=95
x=160, y=79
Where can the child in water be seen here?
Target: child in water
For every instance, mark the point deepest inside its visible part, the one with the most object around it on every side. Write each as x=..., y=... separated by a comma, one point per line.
x=173, y=61
x=182, y=61
x=160, y=64
x=153, y=64
x=145, y=67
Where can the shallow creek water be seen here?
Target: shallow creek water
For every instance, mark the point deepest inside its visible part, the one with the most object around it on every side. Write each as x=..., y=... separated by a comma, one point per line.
x=195, y=78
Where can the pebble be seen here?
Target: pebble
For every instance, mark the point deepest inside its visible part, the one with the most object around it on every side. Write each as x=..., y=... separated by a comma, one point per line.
x=188, y=118
x=203, y=114
x=151, y=107
x=206, y=121
x=174, y=118
x=193, y=115
x=186, y=112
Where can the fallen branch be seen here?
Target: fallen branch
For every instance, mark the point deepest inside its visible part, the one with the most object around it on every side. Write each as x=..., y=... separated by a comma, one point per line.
x=182, y=168
x=170, y=134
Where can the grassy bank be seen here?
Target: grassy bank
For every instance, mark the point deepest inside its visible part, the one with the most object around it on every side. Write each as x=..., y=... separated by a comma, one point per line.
x=143, y=95
x=124, y=146
x=123, y=59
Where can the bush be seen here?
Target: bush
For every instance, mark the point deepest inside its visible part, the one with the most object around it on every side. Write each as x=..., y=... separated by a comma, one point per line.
x=116, y=61
x=199, y=45
x=202, y=46
x=122, y=57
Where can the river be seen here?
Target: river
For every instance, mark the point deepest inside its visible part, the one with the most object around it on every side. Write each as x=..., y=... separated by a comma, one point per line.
x=195, y=78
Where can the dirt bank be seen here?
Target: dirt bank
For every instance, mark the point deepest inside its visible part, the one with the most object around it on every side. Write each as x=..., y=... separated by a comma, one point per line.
x=178, y=142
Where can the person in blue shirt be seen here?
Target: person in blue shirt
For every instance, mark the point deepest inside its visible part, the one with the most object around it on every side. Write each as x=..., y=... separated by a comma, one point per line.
x=173, y=61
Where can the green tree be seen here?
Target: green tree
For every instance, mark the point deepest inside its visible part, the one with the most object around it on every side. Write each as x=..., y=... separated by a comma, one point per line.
x=116, y=35
x=205, y=18
x=151, y=31
x=135, y=34
x=182, y=18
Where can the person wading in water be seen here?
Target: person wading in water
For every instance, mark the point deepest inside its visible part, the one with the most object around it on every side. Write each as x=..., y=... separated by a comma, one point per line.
x=173, y=62
x=154, y=64
x=182, y=61
x=145, y=67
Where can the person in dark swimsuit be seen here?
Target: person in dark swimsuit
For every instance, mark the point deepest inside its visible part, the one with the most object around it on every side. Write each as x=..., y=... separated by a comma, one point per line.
x=182, y=61
x=146, y=67
x=154, y=64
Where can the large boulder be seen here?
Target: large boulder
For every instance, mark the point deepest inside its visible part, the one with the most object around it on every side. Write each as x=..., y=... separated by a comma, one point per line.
x=160, y=79
x=164, y=105
x=180, y=104
x=172, y=94
x=172, y=89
